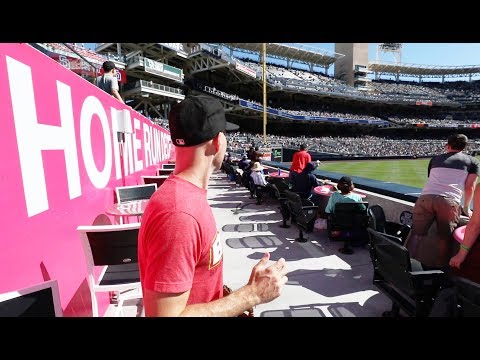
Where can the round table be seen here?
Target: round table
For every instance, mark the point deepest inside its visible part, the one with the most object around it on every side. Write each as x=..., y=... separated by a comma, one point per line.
x=326, y=190
x=323, y=190
x=459, y=233
x=277, y=175
x=128, y=208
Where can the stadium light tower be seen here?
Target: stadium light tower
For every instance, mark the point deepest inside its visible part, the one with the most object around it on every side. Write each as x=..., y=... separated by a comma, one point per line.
x=393, y=48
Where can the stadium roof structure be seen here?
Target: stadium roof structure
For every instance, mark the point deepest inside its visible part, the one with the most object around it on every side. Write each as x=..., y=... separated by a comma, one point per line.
x=423, y=70
x=298, y=52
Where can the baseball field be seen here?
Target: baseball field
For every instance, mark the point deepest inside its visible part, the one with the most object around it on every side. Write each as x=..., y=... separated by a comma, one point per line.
x=406, y=172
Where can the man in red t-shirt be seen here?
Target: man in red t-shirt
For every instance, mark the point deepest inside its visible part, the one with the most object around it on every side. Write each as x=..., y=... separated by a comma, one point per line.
x=300, y=160
x=179, y=251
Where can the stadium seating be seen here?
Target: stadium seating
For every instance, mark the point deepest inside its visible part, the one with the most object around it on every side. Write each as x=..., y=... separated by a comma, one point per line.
x=378, y=222
x=409, y=287
x=303, y=213
x=348, y=223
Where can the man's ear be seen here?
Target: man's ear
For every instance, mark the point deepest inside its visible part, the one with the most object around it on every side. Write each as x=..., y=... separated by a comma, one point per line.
x=216, y=142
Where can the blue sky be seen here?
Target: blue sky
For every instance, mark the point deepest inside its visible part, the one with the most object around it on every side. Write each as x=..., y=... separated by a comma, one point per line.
x=443, y=54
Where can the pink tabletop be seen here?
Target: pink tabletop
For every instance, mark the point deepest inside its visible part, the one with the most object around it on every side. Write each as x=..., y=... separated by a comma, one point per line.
x=326, y=190
x=459, y=233
x=323, y=190
x=276, y=175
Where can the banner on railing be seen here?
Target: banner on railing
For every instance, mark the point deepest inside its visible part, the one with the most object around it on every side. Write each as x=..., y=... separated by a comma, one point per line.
x=245, y=69
x=77, y=65
x=271, y=111
x=158, y=68
x=424, y=102
x=277, y=154
x=63, y=155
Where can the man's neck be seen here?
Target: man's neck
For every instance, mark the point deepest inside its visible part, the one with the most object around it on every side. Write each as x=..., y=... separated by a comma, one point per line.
x=194, y=178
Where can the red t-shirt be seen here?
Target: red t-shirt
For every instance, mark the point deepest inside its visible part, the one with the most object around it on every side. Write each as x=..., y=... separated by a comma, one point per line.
x=178, y=246
x=300, y=160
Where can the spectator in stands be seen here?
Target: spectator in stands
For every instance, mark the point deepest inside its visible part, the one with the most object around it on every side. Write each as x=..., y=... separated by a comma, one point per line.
x=451, y=176
x=257, y=175
x=180, y=253
x=344, y=194
x=108, y=82
x=259, y=179
x=255, y=155
x=250, y=152
x=305, y=182
x=243, y=163
x=299, y=161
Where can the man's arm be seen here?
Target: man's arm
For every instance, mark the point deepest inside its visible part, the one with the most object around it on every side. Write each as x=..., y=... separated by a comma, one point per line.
x=468, y=194
x=116, y=94
x=115, y=88
x=264, y=285
x=471, y=232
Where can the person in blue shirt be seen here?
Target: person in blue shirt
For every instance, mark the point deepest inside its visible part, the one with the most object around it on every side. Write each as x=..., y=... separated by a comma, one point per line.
x=344, y=194
x=305, y=182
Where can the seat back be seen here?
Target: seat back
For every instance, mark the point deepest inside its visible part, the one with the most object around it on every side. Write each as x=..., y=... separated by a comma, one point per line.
x=135, y=192
x=275, y=191
x=468, y=297
x=115, y=248
x=167, y=172
x=378, y=222
x=110, y=244
x=41, y=300
x=283, y=185
x=377, y=218
x=168, y=166
x=350, y=216
x=304, y=211
x=391, y=260
x=152, y=179
x=294, y=203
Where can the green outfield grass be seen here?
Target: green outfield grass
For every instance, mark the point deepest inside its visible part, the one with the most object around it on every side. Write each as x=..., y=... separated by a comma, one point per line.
x=406, y=172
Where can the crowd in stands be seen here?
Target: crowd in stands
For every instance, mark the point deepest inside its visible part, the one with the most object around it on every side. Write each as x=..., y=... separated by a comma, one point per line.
x=382, y=90
x=410, y=89
x=324, y=110
x=366, y=145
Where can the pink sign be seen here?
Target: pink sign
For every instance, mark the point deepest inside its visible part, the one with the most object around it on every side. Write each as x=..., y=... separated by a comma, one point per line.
x=62, y=157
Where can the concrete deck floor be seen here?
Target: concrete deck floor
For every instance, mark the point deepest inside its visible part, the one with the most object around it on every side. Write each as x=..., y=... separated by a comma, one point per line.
x=322, y=281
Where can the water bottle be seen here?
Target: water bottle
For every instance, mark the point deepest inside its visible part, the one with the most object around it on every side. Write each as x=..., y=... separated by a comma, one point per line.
x=278, y=171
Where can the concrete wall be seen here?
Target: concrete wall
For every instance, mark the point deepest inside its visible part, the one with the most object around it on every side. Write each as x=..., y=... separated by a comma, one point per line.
x=355, y=54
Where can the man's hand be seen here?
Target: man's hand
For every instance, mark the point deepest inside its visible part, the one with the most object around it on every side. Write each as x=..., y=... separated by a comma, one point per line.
x=267, y=282
x=458, y=259
x=467, y=211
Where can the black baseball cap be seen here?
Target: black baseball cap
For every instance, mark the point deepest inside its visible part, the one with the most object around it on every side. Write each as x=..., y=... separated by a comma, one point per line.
x=195, y=120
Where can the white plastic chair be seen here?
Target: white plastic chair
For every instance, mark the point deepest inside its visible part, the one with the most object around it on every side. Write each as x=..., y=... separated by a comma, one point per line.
x=40, y=300
x=115, y=248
